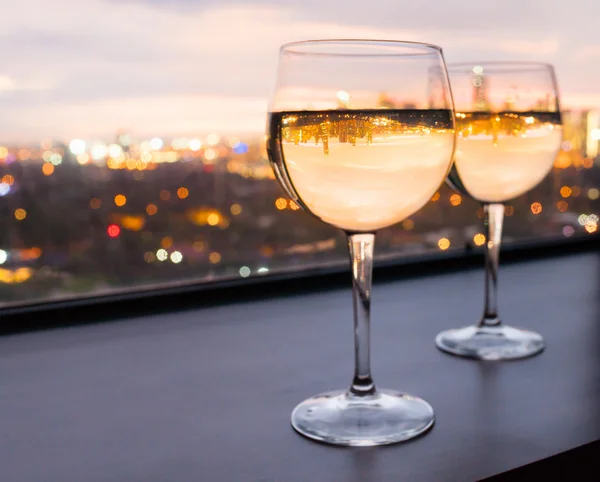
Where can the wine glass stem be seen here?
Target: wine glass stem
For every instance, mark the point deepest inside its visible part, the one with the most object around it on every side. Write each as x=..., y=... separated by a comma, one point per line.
x=493, y=215
x=361, y=246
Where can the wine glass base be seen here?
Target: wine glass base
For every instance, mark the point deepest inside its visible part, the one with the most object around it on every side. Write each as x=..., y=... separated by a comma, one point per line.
x=490, y=342
x=341, y=418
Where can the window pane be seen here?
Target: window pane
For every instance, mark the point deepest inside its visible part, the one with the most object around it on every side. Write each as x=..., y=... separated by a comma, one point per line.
x=131, y=140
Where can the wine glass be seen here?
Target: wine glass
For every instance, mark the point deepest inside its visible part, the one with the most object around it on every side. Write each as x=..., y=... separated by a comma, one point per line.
x=509, y=131
x=361, y=135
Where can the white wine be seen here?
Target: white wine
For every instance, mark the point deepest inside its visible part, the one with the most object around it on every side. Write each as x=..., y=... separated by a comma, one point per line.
x=500, y=156
x=361, y=170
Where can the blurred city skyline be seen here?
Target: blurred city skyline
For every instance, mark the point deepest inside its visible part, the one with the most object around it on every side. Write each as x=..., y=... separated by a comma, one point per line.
x=171, y=68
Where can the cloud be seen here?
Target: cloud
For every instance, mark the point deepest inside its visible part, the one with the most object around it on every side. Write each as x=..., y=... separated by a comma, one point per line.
x=102, y=52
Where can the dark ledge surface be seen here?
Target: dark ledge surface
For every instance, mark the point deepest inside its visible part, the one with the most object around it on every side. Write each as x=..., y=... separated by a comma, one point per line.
x=205, y=394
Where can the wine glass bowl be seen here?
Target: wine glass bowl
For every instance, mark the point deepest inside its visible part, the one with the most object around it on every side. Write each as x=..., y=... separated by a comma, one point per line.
x=361, y=135
x=509, y=131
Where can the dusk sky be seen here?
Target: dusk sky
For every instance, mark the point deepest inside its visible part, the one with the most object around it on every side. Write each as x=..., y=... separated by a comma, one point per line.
x=86, y=68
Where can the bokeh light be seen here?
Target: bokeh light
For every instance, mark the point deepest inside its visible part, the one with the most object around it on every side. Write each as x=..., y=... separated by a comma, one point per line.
x=120, y=200
x=20, y=214
x=444, y=244
x=479, y=239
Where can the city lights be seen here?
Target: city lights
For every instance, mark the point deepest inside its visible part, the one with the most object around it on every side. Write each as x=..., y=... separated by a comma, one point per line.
x=47, y=169
x=408, y=224
x=120, y=200
x=455, y=199
x=156, y=143
x=444, y=244
x=213, y=219
x=20, y=214
x=99, y=151
x=208, y=204
x=281, y=203
x=113, y=230
x=536, y=208
x=176, y=257
x=565, y=191
x=195, y=145
x=77, y=146
x=479, y=239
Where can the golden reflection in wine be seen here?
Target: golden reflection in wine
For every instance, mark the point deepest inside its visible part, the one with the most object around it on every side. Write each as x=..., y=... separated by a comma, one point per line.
x=500, y=156
x=361, y=170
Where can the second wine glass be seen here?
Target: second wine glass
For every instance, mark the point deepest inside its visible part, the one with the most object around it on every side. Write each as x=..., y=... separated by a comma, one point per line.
x=509, y=131
x=361, y=135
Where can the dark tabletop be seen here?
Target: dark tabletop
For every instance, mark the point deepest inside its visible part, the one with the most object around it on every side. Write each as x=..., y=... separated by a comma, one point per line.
x=206, y=394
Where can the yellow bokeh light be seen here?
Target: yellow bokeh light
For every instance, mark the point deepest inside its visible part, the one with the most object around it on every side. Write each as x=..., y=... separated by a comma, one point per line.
x=444, y=244
x=151, y=209
x=408, y=224
x=3, y=152
x=165, y=195
x=565, y=191
x=21, y=275
x=591, y=227
x=47, y=169
x=182, y=193
x=214, y=257
x=536, y=208
x=281, y=203
x=588, y=163
x=235, y=209
x=133, y=223
x=213, y=219
x=8, y=179
x=20, y=214
x=95, y=203
x=120, y=200
x=435, y=197
x=479, y=239
x=293, y=206
x=593, y=193
x=455, y=199
x=210, y=154
x=166, y=242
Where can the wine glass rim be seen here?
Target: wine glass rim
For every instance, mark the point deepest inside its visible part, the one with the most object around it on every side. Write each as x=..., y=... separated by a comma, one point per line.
x=290, y=47
x=501, y=63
